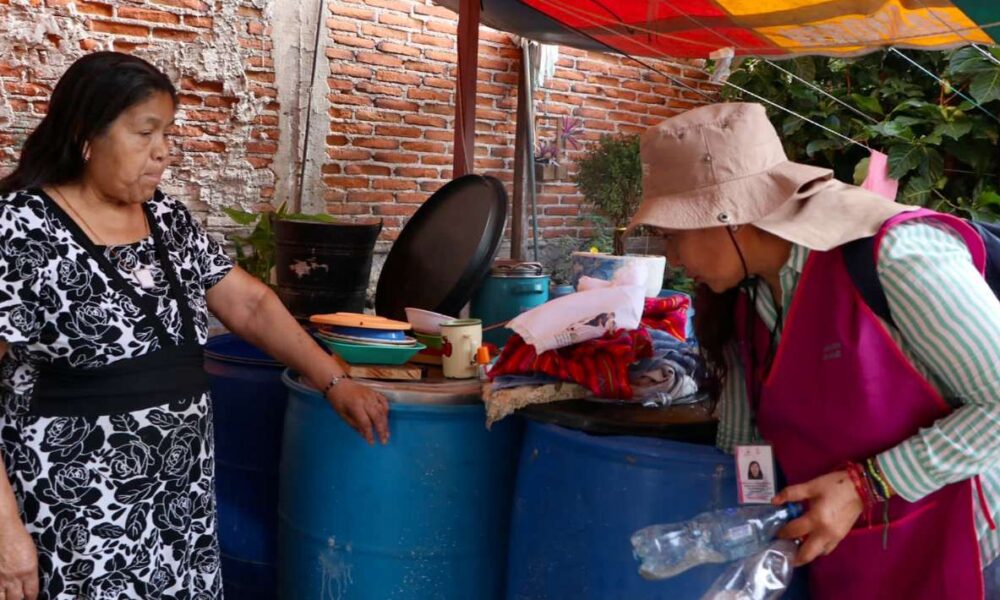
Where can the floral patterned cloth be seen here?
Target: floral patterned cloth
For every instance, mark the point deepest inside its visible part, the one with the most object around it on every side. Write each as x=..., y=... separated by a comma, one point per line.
x=120, y=506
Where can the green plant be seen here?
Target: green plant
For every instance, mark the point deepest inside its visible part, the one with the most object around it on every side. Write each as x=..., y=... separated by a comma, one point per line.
x=610, y=178
x=557, y=256
x=941, y=147
x=255, y=251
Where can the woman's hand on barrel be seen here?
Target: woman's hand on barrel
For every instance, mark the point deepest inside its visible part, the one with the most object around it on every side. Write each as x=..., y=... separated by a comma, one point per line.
x=18, y=561
x=834, y=507
x=362, y=408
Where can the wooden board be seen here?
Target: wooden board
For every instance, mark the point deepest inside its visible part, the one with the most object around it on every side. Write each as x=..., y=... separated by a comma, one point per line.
x=395, y=373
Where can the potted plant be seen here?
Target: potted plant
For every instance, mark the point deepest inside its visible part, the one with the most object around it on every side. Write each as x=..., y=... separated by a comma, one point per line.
x=548, y=155
x=315, y=263
x=609, y=176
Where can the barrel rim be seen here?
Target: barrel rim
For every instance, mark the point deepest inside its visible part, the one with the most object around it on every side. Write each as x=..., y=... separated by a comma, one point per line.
x=291, y=380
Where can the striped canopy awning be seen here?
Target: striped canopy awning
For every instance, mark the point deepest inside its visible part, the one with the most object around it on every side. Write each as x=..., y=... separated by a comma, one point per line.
x=696, y=28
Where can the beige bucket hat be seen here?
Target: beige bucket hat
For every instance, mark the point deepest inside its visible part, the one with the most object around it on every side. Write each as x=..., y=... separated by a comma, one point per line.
x=723, y=164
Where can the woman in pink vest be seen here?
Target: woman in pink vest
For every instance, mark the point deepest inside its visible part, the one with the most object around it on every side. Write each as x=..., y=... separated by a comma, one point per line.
x=887, y=430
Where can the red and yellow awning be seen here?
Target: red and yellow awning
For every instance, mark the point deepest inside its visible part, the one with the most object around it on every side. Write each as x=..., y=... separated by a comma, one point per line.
x=696, y=28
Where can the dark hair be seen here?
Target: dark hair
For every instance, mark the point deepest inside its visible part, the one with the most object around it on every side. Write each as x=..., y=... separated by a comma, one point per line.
x=760, y=470
x=715, y=327
x=87, y=99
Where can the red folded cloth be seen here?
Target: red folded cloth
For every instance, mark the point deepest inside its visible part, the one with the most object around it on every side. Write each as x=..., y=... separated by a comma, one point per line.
x=667, y=314
x=599, y=365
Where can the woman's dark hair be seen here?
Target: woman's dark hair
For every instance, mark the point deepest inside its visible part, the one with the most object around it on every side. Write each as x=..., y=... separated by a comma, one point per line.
x=87, y=99
x=715, y=327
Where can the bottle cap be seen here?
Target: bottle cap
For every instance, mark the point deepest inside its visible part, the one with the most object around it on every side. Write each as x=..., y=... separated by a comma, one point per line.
x=483, y=355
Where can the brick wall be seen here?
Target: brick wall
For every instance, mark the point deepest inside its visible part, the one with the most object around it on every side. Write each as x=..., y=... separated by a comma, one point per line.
x=391, y=99
x=217, y=53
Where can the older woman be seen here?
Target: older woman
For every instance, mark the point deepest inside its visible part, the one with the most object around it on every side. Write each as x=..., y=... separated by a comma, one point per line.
x=898, y=414
x=105, y=284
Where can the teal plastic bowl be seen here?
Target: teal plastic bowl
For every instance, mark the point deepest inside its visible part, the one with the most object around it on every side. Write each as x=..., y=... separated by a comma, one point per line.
x=357, y=354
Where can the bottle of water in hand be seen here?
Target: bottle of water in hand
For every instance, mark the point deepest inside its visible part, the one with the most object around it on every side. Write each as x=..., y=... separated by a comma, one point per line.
x=712, y=537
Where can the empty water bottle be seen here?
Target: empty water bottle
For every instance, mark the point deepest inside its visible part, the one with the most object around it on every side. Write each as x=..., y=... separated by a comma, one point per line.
x=712, y=537
x=762, y=576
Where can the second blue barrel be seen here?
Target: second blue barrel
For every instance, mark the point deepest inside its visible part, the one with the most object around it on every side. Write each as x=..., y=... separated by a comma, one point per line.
x=249, y=400
x=423, y=518
x=580, y=497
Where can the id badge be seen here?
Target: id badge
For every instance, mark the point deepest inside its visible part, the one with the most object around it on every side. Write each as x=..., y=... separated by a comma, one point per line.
x=755, y=474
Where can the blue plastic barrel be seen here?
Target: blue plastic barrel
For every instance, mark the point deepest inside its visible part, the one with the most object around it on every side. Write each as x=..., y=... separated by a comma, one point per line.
x=580, y=497
x=249, y=404
x=425, y=517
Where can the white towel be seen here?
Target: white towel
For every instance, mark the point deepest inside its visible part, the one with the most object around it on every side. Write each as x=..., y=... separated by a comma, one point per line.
x=585, y=315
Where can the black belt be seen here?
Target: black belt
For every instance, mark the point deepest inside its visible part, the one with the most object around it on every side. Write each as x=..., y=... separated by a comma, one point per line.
x=168, y=375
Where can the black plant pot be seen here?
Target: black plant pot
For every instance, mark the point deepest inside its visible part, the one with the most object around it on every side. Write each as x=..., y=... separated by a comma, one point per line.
x=323, y=267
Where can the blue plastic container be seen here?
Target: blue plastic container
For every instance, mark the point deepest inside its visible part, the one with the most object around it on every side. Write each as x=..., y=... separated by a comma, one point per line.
x=425, y=517
x=579, y=498
x=249, y=404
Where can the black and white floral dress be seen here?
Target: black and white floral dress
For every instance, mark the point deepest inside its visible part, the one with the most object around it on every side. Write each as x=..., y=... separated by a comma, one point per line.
x=121, y=506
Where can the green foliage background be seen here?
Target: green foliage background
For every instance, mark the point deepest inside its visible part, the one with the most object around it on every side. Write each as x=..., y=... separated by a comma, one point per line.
x=941, y=147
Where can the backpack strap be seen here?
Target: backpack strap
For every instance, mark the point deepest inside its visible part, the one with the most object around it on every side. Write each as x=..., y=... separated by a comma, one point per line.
x=859, y=258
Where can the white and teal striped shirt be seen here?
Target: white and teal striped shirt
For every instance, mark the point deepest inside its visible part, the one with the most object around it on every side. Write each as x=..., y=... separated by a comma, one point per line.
x=948, y=324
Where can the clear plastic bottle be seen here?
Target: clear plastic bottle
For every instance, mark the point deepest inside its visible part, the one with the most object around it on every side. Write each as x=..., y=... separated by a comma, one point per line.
x=713, y=537
x=765, y=575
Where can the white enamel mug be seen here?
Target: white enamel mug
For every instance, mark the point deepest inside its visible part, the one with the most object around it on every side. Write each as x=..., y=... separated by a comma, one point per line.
x=459, y=342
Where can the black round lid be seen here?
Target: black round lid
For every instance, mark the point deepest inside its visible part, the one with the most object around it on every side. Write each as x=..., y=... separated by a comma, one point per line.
x=445, y=251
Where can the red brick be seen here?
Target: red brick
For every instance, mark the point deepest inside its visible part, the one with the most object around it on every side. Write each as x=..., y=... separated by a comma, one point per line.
x=437, y=159
x=119, y=28
x=221, y=101
x=352, y=128
x=399, y=158
x=416, y=172
x=176, y=35
x=448, y=57
x=340, y=54
x=342, y=68
x=424, y=146
x=393, y=104
x=434, y=11
x=259, y=162
x=149, y=16
x=203, y=22
x=369, y=197
x=399, y=21
x=394, y=184
x=348, y=154
x=395, y=210
x=342, y=25
x=351, y=99
x=361, y=14
x=189, y=83
x=391, y=48
x=255, y=28
x=379, y=59
x=206, y=115
x=439, y=82
x=433, y=40
x=262, y=147
x=425, y=121
x=249, y=11
x=422, y=94
x=381, y=33
x=25, y=89
x=424, y=67
x=128, y=47
x=379, y=170
x=397, y=77
x=396, y=131
x=95, y=8
x=203, y=146
x=197, y=5
x=396, y=5
x=189, y=100
x=377, y=143
x=347, y=182
x=337, y=140
x=378, y=116
x=353, y=41
x=269, y=92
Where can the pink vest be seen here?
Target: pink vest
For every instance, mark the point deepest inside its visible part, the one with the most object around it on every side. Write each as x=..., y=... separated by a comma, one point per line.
x=840, y=389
